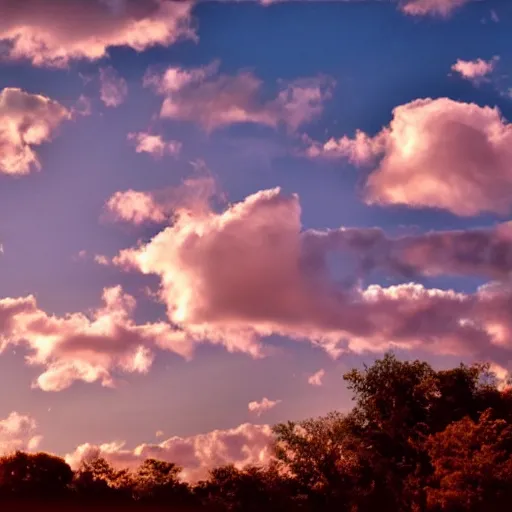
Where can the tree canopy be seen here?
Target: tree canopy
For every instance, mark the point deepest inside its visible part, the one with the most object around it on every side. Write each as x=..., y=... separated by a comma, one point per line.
x=416, y=440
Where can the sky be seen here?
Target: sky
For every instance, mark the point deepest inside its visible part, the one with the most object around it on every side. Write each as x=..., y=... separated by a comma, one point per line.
x=209, y=211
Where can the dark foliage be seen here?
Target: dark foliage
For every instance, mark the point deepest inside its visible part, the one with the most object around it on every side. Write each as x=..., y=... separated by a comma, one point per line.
x=417, y=440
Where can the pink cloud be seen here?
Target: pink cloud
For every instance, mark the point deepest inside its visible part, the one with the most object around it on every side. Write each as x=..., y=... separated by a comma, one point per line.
x=53, y=33
x=436, y=153
x=26, y=120
x=443, y=8
x=238, y=276
x=485, y=252
x=113, y=87
x=18, y=432
x=159, y=206
x=154, y=145
x=214, y=100
x=262, y=406
x=475, y=70
x=242, y=445
x=316, y=378
x=135, y=207
x=76, y=347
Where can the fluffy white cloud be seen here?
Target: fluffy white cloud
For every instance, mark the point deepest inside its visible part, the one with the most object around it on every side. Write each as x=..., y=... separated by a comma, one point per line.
x=53, y=33
x=26, y=120
x=113, y=87
x=18, y=432
x=262, y=406
x=436, y=153
x=238, y=276
x=242, y=445
x=214, y=100
x=76, y=347
x=154, y=145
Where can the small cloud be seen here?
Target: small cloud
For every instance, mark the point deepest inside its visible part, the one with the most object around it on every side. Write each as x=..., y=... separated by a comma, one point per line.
x=441, y=8
x=82, y=107
x=100, y=259
x=316, y=378
x=113, y=87
x=159, y=433
x=27, y=120
x=154, y=145
x=475, y=70
x=262, y=406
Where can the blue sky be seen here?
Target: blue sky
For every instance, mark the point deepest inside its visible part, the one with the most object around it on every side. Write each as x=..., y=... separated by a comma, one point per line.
x=378, y=57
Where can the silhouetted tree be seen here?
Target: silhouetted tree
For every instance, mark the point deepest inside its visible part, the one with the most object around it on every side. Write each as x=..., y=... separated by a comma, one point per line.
x=34, y=476
x=158, y=481
x=417, y=440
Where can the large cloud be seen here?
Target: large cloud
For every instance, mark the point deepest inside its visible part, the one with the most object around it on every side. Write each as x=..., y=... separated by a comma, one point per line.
x=436, y=153
x=53, y=32
x=245, y=444
x=18, y=432
x=76, y=347
x=215, y=100
x=26, y=120
x=249, y=272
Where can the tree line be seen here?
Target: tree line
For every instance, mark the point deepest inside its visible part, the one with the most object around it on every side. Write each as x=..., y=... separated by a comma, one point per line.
x=416, y=440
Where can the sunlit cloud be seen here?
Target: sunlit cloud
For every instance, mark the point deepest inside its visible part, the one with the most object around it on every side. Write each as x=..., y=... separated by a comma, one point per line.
x=54, y=33
x=242, y=445
x=154, y=145
x=435, y=153
x=215, y=100
x=264, y=405
x=18, y=432
x=26, y=121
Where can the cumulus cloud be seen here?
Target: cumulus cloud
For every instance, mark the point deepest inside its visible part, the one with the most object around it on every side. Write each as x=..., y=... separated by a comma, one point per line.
x=154, y=145
x=53, y=33
x=215, y=100
x=436, y=153
x=159, y=206
x=242, y=445
x=475, y=70
x=26, y=120
x=262, y=406
x=316, y=378
x=76, y=347
x=238, y=276
x=18, y=432
x=113, y=87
